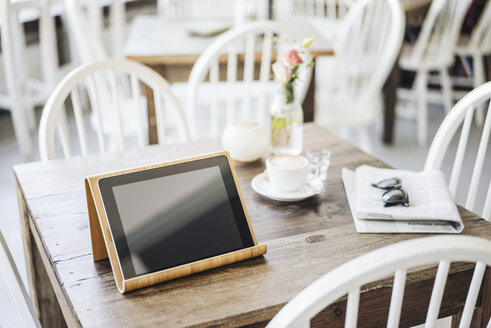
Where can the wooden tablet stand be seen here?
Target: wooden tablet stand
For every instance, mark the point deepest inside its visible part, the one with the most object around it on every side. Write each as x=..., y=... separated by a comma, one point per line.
x=103, y=245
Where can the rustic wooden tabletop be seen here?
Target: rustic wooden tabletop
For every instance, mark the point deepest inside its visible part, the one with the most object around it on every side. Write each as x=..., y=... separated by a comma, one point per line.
x=305, y=240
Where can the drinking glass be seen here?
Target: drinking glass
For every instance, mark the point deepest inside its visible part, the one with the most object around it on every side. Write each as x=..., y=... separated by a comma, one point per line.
x=320, y=158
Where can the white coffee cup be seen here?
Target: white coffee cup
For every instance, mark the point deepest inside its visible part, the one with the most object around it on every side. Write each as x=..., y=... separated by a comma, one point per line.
x=289, y=172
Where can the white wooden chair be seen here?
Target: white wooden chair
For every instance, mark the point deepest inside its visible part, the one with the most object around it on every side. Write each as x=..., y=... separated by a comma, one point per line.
x=233, y=11
x=325, y=15
x=11, y=275
x=84, y=27
x=216, y=103
x=395, y=260
x=477, y=46
x=330, y=9
x=108, y=97
x=370, y=38
x=461, y=116
x=433, y=50
x=23, y=92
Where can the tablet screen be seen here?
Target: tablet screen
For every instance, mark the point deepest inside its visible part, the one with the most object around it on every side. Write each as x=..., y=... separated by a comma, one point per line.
x=173, y=215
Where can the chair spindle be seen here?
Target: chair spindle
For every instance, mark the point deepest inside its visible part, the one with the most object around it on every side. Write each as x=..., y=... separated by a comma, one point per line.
x=79, y=120
x=352, y=305
x=437, y=294
x=396, y=299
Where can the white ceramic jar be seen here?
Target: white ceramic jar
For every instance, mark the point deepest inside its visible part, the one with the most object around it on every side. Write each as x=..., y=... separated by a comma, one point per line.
x=246, y=141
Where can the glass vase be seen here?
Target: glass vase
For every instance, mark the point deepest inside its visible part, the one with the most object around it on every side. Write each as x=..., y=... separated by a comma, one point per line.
x=286, y=123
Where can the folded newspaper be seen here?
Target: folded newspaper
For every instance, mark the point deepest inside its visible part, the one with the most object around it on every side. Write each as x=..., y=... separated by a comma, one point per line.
x=431, y=205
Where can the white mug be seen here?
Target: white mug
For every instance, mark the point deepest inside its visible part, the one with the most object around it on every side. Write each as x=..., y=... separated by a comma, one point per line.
x=289, y=172
x=246, y=141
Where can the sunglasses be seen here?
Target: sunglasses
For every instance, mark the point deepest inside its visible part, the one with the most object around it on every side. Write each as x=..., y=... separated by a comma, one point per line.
x=394, y=193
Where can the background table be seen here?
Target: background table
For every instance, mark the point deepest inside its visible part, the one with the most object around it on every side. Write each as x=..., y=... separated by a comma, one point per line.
x=165, y=45
x=305, y=240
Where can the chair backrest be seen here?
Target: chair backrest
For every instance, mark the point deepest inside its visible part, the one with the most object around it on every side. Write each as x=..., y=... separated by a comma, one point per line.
x=117, y=23
x=370, y=39
x=13, y=39
x=86, y=26
x=235, y=11
x=440, y=32
x=330, y=9
x=481, y=33
x=244, y=94
x=395, y=260
x=11, y=275
x=461, y=116
x=83, y=35
x=107, y=109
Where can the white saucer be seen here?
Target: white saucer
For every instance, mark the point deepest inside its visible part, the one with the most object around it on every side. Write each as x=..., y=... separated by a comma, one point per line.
x=264, y=188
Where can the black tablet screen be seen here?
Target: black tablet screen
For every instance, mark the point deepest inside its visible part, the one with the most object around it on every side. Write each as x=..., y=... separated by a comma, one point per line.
x=173, y=215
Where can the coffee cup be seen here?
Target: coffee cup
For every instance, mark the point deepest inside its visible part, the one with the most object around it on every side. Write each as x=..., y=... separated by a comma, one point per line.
x=289, y=172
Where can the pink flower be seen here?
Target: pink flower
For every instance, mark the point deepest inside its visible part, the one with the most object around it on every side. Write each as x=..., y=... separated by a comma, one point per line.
x=283, y=73
x=291, y=57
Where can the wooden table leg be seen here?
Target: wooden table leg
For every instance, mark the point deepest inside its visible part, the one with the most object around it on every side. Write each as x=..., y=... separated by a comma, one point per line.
x=152, y=121
x=309, y=101
x=390, y=97
x=40, y=289
x=50, y=314
x=26, y=243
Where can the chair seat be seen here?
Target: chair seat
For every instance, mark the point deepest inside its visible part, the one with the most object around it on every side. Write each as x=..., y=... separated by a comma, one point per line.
x=429, y=62
x=464, y=48
x=332, y=109
x=267, y=89
x=34, y=93
x=129, y=117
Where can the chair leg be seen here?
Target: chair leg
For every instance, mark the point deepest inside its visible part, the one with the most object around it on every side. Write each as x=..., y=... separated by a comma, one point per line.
x=479, y=78
x=446, y=84
x=19, y=50
x=117, y=28
x=21, y=130
x=422, y=103
x=47, y=43
x=31, y=117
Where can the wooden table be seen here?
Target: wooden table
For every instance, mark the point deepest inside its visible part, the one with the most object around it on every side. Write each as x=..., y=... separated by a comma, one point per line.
x=165, y=45
x=305, y=240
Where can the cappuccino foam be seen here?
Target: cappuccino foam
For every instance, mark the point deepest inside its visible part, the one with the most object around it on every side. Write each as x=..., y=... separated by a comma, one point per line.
x=288, y=161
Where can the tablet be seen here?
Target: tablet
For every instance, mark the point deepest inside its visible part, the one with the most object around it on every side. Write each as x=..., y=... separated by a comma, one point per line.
x=170, y=215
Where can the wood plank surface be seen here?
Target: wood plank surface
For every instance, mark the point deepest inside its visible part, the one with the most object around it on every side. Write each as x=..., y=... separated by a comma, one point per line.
x=245, y=293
